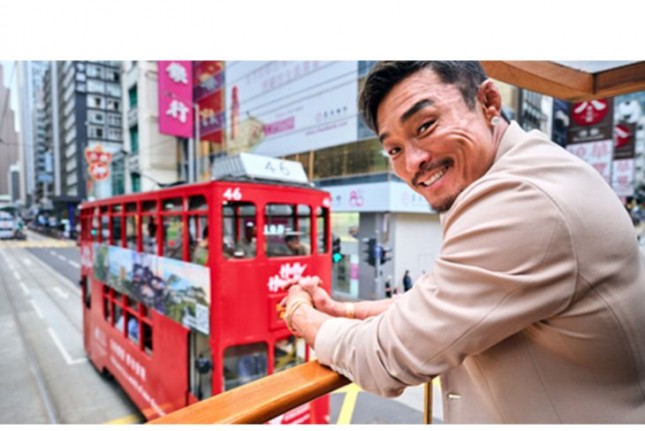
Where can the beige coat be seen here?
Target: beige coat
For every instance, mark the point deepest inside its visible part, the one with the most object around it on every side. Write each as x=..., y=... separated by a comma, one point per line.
x=534, y=310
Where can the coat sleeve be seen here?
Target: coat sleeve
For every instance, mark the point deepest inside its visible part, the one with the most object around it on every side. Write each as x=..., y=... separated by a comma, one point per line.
x=506, y=262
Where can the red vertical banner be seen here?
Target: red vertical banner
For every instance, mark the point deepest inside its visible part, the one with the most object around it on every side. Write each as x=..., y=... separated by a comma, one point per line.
x=176, y=98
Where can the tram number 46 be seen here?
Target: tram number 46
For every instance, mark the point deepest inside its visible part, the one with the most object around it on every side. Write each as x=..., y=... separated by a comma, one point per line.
x=281, y=168
x=233, y=194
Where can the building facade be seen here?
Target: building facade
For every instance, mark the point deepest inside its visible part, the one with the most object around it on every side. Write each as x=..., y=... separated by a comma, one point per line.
x=9, y=138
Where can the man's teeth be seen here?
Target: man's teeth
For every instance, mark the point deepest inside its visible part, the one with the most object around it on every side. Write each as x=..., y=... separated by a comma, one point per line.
x=434, y=178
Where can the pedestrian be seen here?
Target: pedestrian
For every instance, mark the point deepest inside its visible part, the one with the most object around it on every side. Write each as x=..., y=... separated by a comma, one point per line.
x=532, y=310
x=407, y=281
x=388, y=287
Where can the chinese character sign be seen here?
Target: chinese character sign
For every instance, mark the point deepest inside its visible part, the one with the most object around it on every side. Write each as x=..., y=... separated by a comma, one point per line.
x=176, y=98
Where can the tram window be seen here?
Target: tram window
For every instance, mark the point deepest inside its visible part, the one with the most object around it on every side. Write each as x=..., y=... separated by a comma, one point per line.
x=131, y=207
x=198, y=234
x=105, y=228
x=115, y=237
x=95, y=228
x=321, y=217
x=149, y=206
x=147, y=338
x=87, y=291
x=133, y=328
x=149, y=234
x=288, y=353
x=175, y=204
x=197, y=203
x=118, y=311
x=173, y=234
x=107, y=315
x=243, y=364
x=131, y=232
x=287, y=230
x=239, y=232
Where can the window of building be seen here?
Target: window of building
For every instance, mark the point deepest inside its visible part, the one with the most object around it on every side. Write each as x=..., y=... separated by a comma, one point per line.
x=113, y=89
x=94, y=71
x=134, y=140
x=96, y=117
x=133, y=97
x=111, y=75
x=94, y=101
x=114, y=120
x=113, y=105
x=136, y=182
x=94, y=86
x=114, y=134
x=96, y=132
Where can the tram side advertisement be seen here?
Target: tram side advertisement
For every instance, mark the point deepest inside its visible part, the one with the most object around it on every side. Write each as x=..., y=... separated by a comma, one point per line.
x=178, y=290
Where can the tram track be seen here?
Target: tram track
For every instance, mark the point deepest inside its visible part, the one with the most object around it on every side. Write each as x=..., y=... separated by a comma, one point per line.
x=44, y=393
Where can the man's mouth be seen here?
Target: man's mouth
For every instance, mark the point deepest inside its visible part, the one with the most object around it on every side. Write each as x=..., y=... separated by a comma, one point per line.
x=434, y=177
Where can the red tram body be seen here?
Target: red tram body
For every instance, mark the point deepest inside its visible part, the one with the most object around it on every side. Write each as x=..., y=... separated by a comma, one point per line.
x=188, y=309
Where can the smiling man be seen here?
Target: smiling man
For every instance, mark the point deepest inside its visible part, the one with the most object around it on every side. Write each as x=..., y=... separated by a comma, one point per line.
x=531, y=313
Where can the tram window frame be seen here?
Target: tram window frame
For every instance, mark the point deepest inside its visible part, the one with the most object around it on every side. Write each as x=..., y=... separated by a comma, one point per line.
x=87, y=291
x=116, y=225
x=104, y=225
x=107, y=305
x=198, y=232
x=95, y=228
x=237, y=218
x=231, y=359
x=322, y=229
x=149, y=243
x=118, y=311
x=131, y=238
x=173, y=210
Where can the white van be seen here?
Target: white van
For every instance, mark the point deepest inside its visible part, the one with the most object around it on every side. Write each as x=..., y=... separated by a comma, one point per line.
x=7, y=225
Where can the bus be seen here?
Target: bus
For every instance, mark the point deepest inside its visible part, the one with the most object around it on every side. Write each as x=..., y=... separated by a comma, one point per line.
x=181, y=286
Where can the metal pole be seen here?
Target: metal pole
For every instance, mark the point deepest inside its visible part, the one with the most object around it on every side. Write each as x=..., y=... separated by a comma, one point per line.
x=380, y=289
x=197, y=139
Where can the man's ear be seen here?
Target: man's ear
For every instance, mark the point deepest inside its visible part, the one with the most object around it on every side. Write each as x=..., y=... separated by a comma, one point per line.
x=490, y=99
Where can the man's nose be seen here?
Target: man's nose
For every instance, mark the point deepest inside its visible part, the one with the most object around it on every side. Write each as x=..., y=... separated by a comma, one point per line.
x=416, y=158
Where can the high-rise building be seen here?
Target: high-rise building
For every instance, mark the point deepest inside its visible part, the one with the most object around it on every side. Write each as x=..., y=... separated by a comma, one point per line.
x=83, y=107
x=9, y=139
x=32, y=126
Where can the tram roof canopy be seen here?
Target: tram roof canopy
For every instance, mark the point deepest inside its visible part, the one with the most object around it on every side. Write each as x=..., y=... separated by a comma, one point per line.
x=571, y=80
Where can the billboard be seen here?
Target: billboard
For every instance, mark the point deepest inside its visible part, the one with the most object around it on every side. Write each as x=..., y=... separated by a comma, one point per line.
x=276, y=108
x=176, y=98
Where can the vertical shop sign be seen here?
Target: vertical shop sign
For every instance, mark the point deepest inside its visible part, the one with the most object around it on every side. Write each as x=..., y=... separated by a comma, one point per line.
x=176, y=98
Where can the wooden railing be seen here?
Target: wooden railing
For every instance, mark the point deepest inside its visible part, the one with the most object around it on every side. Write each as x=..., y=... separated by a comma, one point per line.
x=259, y=401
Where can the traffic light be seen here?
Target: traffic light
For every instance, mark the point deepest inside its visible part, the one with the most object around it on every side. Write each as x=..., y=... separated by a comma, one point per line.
x=370, y=251
x=386, y=254
x=336, y=255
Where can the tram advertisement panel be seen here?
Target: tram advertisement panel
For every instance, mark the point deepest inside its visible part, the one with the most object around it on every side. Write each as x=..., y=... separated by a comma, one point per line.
x=179, y=290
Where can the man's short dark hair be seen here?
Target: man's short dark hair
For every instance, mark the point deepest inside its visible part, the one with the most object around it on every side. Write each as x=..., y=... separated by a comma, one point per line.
x=466, y=75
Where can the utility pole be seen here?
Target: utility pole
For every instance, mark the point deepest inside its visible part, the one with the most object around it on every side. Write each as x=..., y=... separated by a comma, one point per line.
x=380, y=289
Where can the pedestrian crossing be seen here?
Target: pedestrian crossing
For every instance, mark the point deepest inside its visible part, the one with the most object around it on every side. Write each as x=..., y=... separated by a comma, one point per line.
x=40, y=243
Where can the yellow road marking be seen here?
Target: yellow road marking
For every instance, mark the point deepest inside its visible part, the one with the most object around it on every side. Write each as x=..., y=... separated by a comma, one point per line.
x=347, y=409
x=130, y=419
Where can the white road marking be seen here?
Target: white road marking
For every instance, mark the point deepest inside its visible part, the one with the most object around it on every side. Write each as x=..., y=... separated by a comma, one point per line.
x=26, y=261
x=15, y=274
x=74, y=264
x=23, y=286
x=62, y=350
x=60, y=292
x=38, y=312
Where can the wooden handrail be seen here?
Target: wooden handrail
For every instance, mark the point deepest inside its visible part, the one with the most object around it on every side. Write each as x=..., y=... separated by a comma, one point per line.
x=261, y=400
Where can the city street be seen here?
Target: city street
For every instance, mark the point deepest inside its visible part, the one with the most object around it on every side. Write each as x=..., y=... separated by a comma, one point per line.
x=46, y=377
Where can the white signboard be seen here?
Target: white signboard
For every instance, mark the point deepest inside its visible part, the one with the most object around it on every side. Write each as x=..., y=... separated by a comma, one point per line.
x=622, y=177
x=276, y=108
x=377, y=197
x=598, y=154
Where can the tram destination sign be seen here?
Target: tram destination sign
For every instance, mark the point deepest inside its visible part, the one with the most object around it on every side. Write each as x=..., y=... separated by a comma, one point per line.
x=260, y=167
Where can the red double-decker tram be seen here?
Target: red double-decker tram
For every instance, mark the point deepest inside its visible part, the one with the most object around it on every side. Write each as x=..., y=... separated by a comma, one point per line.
x=181, y=286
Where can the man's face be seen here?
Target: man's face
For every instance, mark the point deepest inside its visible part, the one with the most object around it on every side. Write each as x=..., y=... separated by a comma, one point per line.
x=435, y=142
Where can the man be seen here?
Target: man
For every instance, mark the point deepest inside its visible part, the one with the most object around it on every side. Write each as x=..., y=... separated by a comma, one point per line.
x=297, y=248
x=407, y=281
x=532, y=310
x=246, y=246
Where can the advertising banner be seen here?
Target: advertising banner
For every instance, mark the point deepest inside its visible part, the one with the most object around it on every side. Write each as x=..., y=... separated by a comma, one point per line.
x=179, y=290
x=276, y=108
x=622, y=177
x=624, y=141
x=176, y=98
x=597, y=154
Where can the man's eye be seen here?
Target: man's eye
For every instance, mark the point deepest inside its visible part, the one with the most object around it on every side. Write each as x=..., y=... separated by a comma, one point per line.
x=424, y=127
x=393, y=151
